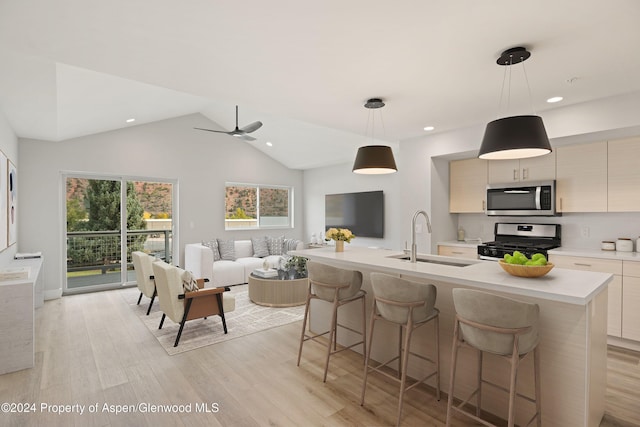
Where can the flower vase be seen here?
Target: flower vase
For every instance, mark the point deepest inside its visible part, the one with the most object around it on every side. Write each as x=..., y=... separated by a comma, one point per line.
x=339, y=245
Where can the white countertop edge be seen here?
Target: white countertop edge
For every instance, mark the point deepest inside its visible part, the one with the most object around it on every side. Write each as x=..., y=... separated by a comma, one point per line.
x=571, y=286
x=596, y=253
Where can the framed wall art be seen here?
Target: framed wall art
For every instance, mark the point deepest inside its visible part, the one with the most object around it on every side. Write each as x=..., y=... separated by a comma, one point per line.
x=12, y=202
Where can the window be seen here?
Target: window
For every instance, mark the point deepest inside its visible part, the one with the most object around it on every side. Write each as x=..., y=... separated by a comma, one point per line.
x=257, y=206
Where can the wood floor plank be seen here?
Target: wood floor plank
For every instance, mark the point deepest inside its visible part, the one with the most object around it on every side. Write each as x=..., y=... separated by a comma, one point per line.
x=93, y=349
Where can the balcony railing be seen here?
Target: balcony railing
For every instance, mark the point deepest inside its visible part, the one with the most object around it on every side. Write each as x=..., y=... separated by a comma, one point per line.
x=94, y=257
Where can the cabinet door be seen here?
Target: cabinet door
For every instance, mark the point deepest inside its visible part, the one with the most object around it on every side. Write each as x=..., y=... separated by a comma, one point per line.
x=614, y=294
x=581, y=181
x=502, y=171
x=624, y=175
x=467, y=186
x=458, y=251
x=614, y=315
x=541, y=168
x=631, y=308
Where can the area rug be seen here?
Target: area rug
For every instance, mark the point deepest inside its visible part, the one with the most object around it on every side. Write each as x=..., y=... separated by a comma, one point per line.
x=247, y=318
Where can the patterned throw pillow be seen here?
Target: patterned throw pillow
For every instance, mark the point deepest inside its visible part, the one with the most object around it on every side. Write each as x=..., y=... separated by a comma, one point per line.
x=227, y=250
x=275, y=245
x=260, y=247
x=289, y=245
x=189, y=284
x=213, y=245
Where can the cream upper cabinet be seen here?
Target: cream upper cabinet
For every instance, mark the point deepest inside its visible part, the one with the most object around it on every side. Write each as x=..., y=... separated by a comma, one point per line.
x=581, y=178
x=624, y=175
x=541, y=168
x=467, y=185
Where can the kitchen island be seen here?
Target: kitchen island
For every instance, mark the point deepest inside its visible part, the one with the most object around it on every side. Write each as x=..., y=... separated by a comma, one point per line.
x=573, y=315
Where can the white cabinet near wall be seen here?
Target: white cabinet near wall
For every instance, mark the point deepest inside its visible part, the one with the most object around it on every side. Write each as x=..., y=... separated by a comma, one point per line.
x=615, y=294
x=581, y=178
x=541, y=168
x=624, y=175
x=631, y=300
x=467, y=185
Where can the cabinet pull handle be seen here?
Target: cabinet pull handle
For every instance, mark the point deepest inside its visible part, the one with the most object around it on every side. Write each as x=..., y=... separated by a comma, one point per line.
x=582, y=264
x=483, y=208
x=560, y=204
x=457, y=252
x=525, y=173
x=515, y=174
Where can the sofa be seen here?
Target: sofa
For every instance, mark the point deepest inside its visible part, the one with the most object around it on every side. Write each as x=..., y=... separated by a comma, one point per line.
x=234, y=266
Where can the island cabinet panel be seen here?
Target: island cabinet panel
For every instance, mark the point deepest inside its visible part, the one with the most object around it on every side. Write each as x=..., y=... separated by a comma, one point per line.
x=458, y=251
x=581, y=178
x=624, y=175
x=631, y=300
x=467, y=186
x=541, y=168
x=614, y=317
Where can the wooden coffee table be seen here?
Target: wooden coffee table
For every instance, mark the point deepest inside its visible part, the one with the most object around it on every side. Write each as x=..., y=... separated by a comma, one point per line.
x=278, y=292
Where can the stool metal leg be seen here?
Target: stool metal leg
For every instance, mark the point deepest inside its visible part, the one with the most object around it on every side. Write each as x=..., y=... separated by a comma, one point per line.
x=437, y=325
x=332, y=336
x=304, y=325
x=367, y=357
x=536, y=374
x=479, y=392
x=405, y=362
x=452, y=374
x=512, y=388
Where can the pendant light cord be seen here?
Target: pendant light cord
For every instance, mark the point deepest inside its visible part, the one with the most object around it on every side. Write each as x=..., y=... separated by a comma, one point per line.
x=526, y=79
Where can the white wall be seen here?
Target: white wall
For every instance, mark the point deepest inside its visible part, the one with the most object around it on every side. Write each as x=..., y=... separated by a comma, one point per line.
x=339, y=179
x=9, y=146
x=423, y=179
x=201, y=162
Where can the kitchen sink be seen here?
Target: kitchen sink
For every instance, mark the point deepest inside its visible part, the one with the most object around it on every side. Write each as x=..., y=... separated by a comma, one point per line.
x=436, y=260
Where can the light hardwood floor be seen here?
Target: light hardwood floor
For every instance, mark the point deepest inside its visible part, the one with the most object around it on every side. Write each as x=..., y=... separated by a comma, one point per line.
x=92, y=349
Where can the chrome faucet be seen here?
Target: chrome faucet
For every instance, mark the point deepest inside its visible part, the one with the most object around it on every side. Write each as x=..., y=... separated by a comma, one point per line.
x=414, y=247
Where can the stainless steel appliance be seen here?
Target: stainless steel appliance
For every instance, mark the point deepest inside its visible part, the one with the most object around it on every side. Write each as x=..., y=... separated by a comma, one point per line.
x=520, y=199
x=526, y=238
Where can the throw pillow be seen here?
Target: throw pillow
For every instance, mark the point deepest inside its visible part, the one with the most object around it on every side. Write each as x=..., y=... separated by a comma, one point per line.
x=189, y=284
x=213, y=245
x=275, y=245
x=260, y=247
x=289, y=245
x=227, y=250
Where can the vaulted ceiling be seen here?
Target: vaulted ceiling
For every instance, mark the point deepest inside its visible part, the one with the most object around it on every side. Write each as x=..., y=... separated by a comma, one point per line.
x=75, y=67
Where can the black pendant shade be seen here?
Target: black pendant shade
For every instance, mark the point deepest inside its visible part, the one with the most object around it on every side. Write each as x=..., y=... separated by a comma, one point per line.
x=374, y=159
x=515, y=137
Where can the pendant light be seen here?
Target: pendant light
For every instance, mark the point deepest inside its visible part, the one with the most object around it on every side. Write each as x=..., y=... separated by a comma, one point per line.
x=374, y=159
x=515, y=137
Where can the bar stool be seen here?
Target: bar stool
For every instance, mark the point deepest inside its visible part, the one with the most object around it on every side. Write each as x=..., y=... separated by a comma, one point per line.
x=498, y=325
x=339, y=287
x=408, y=305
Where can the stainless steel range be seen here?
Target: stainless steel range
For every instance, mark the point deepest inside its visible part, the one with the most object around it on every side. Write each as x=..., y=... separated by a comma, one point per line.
x=526, y=238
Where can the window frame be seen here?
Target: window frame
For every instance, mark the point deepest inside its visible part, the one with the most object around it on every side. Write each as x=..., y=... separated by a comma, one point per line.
x=257, y=187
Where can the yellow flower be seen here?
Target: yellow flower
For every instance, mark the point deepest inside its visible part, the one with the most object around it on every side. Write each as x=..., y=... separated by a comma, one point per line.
x=343, y=234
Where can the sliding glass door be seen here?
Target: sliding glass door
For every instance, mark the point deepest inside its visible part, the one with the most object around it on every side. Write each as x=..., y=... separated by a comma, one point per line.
x=106, y=220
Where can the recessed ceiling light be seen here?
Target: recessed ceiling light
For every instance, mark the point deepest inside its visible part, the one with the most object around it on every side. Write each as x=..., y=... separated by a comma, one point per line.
x=269, y=144
x=131, y=120
x=554, y=99
x=429, y=128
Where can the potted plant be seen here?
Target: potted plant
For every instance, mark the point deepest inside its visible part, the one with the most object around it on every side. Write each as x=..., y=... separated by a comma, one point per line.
x=298, y=265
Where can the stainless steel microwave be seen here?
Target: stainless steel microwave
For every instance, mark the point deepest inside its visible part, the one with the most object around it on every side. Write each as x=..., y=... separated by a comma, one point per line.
x=522, y=199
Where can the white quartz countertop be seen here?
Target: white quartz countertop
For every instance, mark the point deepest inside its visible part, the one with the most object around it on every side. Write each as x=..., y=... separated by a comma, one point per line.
x=563, y=285
x=596, y=253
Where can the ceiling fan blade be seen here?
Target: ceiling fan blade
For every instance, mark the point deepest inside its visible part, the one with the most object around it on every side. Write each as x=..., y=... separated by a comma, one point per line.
x=247, y=138
x=252, y=127
x=211, y=130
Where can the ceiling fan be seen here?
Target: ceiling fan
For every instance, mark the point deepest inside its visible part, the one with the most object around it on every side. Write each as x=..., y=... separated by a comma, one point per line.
x=237, y=132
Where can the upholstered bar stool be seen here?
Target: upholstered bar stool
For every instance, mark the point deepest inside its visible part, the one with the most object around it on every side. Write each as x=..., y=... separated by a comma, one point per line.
x=338, y=287
x=498, y=325
x=409, y=305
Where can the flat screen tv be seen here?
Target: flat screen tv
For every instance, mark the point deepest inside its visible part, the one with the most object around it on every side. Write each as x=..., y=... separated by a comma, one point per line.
x=362, y=213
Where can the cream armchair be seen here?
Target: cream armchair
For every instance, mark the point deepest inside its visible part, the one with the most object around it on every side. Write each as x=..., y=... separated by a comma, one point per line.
x=144, y=276
x=181, y=306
